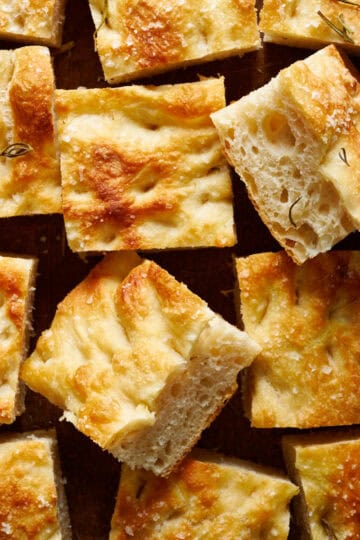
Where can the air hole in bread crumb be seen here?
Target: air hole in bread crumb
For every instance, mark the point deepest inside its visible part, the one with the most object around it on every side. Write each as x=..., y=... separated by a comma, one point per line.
x=284, y=160
x=255, y=149
x=308, y=233
x=250, y=182
x=152, y=127
x=230, y=133
x=296, y=173
x=277, y=130
x=203, y=399
x=290, y=243
x=204, y=198
x=159, y=463
x=252, y=126
x=206, y=381
x=168, y=448
x=284, y=197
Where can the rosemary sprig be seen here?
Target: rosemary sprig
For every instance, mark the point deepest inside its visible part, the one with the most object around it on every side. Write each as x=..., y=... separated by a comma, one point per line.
x=16, y=150
x=105, y=15
x=343, y=156
x=349, y=3
x=344, y=305
x=291, y=210
x=329, y=531
x=342, y=31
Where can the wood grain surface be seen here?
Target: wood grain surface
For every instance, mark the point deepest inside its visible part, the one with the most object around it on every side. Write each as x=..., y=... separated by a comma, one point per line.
x=92, y=475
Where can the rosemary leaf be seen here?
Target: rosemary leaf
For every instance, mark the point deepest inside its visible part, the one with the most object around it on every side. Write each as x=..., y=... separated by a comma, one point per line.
x=105, y=15
x=341, y=31
x=342, y=306
x=16, y=150
x=329, y=531
x=291, y=210
x=349, y=3
x=343, y=156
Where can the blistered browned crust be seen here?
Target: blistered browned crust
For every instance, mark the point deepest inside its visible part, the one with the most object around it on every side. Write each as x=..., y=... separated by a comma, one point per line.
x=115, y=341
x=142, y=167
x=138, y=38
x=29, y=184
x=307, y=319
x=39, y=21
x=328, y=102
x=327, y=468
x=28, y=499
x=16, y=277
x=215, y=500
x=297, y=23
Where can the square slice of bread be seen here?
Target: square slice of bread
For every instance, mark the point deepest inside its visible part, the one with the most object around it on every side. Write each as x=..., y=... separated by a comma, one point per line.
x=307, y=321
x=33, y=21
x=32, y=497
x=312, y=23
x=209, y=496
x=295, y=143
x=29, y=165
x=142, y=167
x=326, y=467
x=142, y=38
x=138, y=362
x=17, y=278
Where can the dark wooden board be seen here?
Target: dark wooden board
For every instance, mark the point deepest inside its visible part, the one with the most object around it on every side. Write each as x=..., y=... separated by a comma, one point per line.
x=92, y=475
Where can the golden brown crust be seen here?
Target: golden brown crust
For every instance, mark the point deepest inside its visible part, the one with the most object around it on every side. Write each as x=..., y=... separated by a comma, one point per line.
x=140, y=38
x=28, y=497
x=297, y=23
x=16, y=277
x=40, y=21
x=29, y=184
x=161, y=182
x=112, y=384
x=202, y=499
x=327, y=470
x=119, y=348
x=306, y=319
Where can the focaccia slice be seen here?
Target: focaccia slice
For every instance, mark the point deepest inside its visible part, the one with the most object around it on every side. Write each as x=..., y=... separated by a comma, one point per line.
x=209, y=496
x=32, y=498
x=29, y=165
x=141, y=38
x=326, y=466
x=32, y=21
x=138, y=362
x=295, y=143
x=307, y=321
x=312, y=23
x=142, y=167
x=17, y=277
